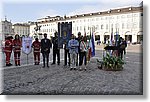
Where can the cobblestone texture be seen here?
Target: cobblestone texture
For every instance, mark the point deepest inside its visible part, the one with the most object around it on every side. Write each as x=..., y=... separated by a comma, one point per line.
x=59, y=80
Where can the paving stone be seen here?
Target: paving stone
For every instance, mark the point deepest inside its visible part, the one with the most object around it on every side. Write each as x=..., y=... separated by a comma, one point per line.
x=59, y=80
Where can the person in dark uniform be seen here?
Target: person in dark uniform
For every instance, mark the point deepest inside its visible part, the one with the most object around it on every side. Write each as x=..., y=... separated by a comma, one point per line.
x=66, y=50
x=79, y=54
x=56, y=50
x=122, y=47
x=45, y=49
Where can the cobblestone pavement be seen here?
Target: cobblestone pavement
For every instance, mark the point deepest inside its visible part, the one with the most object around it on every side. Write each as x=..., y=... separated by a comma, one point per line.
x=61, y=81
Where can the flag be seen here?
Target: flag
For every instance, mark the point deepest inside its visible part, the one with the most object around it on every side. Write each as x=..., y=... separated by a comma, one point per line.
x=91, y=51
x=26, y=45
x=111, y=39
x=93, y=46
x=117, y=38
x=84, y=32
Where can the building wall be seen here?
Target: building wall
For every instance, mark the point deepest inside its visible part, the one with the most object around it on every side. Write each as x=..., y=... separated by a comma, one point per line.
x=21, y=29
x=125, y=23
x=5, y=29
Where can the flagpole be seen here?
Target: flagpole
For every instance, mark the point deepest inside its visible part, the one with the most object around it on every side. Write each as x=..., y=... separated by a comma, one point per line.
x=27, y=59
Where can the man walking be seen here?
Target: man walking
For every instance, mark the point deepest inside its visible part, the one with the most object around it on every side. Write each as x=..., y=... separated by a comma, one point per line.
x=56, y=50
x=45, y=49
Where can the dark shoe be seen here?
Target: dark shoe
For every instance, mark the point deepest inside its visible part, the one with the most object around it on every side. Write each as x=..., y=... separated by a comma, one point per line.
x=71, y=68
x=10, y=64
x=75, y=69
x=47, y=66
x=43, y=67
x=7, y=64
x=52, y=63
x=58, y=63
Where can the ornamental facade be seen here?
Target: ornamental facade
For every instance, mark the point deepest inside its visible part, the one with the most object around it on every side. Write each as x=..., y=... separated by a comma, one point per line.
x=127, y=22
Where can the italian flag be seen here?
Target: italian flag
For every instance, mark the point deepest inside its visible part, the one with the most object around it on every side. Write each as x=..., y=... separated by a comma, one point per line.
x=91, y=51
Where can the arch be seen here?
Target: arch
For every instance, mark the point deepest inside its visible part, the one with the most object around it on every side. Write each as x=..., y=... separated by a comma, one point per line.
x=126, y=33
x=139, y=33
x=106, y=33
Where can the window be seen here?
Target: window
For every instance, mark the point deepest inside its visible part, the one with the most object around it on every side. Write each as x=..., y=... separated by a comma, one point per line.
x=102, y=26
x=141, y=23
x=112, y=25
x=97, y=27
x=80, y=27
x=97, y=19
x=128, y=25
x=118, y=17
x=129, y=16
x=123, y=16
x=134, y=25
x=135, y=15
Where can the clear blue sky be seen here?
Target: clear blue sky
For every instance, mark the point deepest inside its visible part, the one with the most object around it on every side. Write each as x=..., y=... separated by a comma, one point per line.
x=31, y=11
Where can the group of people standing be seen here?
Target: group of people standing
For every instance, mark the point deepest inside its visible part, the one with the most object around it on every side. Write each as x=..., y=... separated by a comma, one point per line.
x=14, y=45
x=75, y=50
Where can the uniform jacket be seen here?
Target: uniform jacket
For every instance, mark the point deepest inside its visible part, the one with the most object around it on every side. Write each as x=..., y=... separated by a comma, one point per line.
x=73, y=46
x=45, y=46
x=17, y=45
x=36, y=46
x=8, y=46
x=55, y=42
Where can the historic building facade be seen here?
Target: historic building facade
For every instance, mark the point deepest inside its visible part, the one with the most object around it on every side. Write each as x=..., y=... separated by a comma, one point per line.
x=127, y=22
x=22, y=29
x=5, y=29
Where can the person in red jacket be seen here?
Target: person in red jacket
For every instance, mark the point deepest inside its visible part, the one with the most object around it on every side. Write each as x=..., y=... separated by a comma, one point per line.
x=8, y=50
x=36, y=51
x=17, y=49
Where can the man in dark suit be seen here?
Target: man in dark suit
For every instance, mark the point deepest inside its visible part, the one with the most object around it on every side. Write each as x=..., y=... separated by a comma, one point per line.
x=45, y=49
x=56, y=50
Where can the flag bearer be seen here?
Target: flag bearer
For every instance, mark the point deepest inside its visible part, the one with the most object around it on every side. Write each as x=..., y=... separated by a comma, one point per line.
x=17, y=49
x=36, y=51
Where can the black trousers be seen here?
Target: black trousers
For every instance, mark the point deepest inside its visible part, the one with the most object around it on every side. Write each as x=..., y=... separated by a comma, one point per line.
x=45, y=55
x=82, y=57
x=66, y=54
x=56, y=52
x=120, y=53
x=78, y=58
